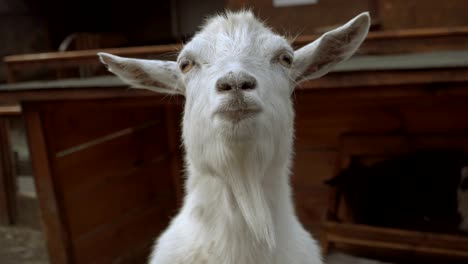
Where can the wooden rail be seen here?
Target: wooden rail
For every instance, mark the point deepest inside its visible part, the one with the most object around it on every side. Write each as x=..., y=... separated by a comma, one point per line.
x=397, y=239
x=7, y=167
x=379, y=42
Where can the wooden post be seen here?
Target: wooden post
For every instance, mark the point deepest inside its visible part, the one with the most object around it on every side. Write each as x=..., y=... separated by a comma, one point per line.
x=51, y=212
x=7, y=176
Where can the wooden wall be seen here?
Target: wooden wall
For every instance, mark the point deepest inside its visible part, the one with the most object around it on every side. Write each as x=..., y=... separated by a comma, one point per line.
x=105, y=177
x=304, y=19
x=400, y=14
x=320, y=131
x=386, y=14
x=108, y=172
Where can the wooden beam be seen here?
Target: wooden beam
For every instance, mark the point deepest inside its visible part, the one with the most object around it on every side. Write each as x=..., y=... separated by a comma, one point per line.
x=407, y=40
x=10, y=110
x=50, y=201
x=397, y=239
x=379, y=42
x=90, y=54
x=7, y=176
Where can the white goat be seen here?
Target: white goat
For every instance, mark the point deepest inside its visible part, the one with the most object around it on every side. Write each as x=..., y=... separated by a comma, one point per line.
x=237, y=77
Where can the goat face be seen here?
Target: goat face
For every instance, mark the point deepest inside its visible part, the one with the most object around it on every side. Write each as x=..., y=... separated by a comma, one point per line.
x=238, y=76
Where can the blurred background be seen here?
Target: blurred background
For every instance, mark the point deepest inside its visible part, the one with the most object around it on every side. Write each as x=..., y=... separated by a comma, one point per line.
x=29, y=26
x=380, y=148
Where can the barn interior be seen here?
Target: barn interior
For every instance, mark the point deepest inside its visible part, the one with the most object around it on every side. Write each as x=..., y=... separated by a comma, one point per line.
x=92, y=172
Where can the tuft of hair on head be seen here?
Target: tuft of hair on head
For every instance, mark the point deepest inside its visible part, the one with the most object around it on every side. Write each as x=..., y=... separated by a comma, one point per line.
x=229, y=17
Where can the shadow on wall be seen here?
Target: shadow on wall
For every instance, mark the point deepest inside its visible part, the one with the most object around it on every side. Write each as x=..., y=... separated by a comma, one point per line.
x=422, y=191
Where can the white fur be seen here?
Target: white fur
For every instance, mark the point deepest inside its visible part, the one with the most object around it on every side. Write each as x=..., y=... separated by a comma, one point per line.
x=238, y=207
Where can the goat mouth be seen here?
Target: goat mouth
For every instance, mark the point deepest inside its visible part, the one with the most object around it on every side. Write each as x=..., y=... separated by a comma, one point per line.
x=237, y=115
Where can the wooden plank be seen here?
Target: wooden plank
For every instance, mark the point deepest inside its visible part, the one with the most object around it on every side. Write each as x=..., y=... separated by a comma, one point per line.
x=387, y=78
x=347, y=86
x=312, y=168
x=115, y=243
x=370, y=132
x=400, y=41
x=414, y=61
x=164, y=49
x=70, y=94
x=88, y=93
x=8, y=210
x=104, y=81
x=442, y=119
x=331, y=95
x=382, y=96
x=397, y=239
x=409, y=44
x=78, y=171
x=308, y=140
x=10, y=110
x=368, y=243
x=311, y=205
x=107, y=203
x=357, y=72
x=94, y=121
x=80, y=56
x=334, y=122
x=50, y=196
x=378, y=64
x=304, y=19
x=371, y=144
x=397, y=14
x=104, y=185
x=387, y=42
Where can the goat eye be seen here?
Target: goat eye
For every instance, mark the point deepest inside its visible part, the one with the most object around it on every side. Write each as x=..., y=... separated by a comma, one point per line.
x=286, y=60
x=186, y=65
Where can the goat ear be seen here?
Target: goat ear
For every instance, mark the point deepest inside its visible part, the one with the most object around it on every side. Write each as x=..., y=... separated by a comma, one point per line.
x=319, y=57
x=154, y=75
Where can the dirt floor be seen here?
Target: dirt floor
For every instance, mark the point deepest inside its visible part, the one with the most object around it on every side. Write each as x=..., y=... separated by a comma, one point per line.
x=22, y=245
x=25, y=245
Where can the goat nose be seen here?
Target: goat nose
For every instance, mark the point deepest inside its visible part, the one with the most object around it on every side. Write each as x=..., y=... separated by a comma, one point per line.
x=239, y=81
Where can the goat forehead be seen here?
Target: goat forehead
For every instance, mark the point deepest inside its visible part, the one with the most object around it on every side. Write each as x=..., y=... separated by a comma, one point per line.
x=236, y=34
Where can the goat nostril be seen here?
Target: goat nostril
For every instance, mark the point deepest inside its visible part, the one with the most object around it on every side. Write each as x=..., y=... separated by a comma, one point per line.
x=222, y=87
x=240, y=81
x=248, y=85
